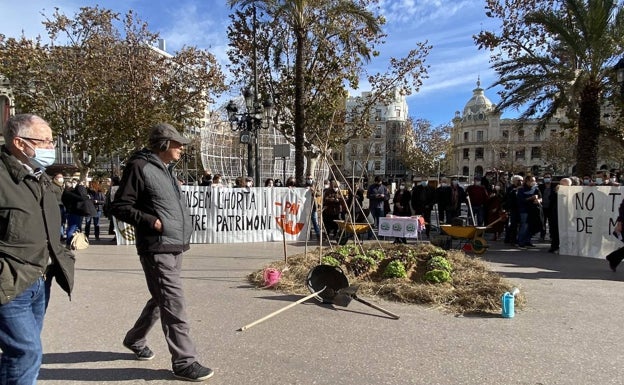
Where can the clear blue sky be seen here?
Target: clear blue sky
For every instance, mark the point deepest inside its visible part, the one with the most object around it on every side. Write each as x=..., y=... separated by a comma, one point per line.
x=455, y=62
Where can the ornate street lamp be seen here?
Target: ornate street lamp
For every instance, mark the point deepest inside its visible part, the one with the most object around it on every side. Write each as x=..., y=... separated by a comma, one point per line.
x=255, y=117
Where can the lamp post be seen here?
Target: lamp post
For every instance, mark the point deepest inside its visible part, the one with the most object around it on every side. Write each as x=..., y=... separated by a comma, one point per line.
x=255, y=117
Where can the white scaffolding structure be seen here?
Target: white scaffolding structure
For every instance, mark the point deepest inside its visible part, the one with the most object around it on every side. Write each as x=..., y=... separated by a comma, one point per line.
x=222, y=153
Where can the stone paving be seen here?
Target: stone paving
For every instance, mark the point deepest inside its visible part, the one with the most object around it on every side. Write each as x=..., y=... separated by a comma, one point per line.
x=568, y=333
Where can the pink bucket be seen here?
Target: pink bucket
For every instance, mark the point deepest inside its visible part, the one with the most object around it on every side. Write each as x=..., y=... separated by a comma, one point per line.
x=271, y=276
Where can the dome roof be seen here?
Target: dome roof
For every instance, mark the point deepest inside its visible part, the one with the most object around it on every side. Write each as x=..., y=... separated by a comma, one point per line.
x=478, y=106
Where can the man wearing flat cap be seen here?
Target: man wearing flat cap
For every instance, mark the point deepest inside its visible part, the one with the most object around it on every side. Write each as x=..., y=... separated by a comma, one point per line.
x=150, y=199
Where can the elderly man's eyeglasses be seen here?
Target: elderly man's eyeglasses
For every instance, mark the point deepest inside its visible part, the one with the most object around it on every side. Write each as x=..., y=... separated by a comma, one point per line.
x=46, y=142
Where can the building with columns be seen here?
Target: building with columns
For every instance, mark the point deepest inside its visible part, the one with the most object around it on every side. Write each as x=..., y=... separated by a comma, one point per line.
x=481, y=140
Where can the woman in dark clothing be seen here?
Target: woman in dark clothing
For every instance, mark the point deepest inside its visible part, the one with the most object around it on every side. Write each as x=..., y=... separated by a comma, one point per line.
x=402, y=199
x=78, y=204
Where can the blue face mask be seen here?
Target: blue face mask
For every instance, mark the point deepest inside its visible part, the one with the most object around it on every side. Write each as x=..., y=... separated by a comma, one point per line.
x=44, y=157
x=546, y=180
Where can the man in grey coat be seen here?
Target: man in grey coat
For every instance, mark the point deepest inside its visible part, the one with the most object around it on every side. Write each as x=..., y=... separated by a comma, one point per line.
x=150, y=199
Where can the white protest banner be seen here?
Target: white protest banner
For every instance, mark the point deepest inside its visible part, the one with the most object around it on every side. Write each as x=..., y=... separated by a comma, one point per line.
x=587, y=216
x=238, y=215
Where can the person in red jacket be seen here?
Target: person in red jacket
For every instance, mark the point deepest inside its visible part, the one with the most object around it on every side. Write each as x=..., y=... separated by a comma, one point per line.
x=478, y=197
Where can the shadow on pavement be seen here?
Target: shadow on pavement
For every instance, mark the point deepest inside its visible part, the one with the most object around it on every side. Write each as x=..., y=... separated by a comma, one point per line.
x=550, y=266
x=107, y=374
x=85, y=356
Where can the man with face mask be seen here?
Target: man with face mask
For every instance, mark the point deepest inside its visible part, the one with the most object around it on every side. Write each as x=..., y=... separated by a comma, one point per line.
x=510, y=205
x=529, y=201
x=334, y=205
x=547, y=189
x=402, y=198
x=478, y=197
x=31, y=253
x=423, y=199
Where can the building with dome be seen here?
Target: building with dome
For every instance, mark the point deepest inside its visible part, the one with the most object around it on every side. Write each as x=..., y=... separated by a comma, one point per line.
x=482, y=141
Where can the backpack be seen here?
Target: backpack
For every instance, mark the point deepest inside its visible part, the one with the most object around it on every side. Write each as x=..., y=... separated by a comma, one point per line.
x=79, y=241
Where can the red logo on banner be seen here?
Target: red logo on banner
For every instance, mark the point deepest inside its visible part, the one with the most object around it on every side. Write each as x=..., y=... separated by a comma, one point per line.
x=289, y=226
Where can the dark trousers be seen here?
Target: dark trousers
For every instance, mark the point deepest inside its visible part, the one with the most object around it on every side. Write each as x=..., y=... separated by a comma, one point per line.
x=511, y=232
x=548, y=225
x=615, y=257
x=162, y=274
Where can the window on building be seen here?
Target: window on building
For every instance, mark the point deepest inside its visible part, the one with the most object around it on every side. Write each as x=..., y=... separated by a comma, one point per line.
x=466, y=153
x=398, y=112
x=536, y=152
x=479, y=136
x=520, y=134
x=378, y=114
x=505, y=134
x=537, y=135
x=465, y=136
x=479, y=153
x=378, y=131
x=502, y=155
x=377, y=165
x=520, y=154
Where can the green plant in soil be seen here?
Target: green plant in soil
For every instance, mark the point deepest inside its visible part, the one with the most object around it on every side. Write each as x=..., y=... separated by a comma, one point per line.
x=361, y=264
x=408, y=257
x=346, y=250
x=439, y=263
x=377, y=255
x=437, y=276
x=337, y=256
x=395, y=269
x=329, y=260
x=437, y=252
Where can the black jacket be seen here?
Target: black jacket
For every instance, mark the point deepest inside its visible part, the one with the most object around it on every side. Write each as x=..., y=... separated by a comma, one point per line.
x=148, y=192
x=29, y=231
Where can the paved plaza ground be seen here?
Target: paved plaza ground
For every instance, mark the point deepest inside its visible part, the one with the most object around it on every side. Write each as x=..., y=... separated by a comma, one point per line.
x=569, y=332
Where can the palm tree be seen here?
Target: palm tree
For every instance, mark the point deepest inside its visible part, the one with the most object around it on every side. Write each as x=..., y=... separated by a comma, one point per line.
x=569, y=72
x=298, y=15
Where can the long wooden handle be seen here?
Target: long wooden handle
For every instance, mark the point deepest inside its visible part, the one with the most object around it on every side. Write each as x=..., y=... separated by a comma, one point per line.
x=375, y=307
x=280, y=310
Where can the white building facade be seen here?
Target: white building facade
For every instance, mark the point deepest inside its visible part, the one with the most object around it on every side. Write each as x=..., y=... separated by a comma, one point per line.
x=379, y=153
x=482, y=141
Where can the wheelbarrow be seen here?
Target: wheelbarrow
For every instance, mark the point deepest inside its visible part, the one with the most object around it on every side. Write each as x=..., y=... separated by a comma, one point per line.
x=347, y=229
x=330, y=285
x=470, y=237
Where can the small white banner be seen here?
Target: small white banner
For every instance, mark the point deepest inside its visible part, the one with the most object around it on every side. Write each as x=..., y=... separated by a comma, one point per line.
x=401, y=227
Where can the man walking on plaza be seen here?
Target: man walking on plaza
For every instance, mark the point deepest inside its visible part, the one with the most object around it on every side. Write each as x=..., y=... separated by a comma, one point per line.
x=31, y=252
x=150, y=199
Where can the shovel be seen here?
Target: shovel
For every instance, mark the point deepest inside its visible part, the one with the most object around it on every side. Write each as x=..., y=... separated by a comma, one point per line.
x=344, y=297
x=338, y=291
x=242, y=329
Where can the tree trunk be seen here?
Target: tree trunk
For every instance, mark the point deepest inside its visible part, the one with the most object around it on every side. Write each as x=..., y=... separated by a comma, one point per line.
x=588, y=131
x=299, y=108
x=311, y=162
